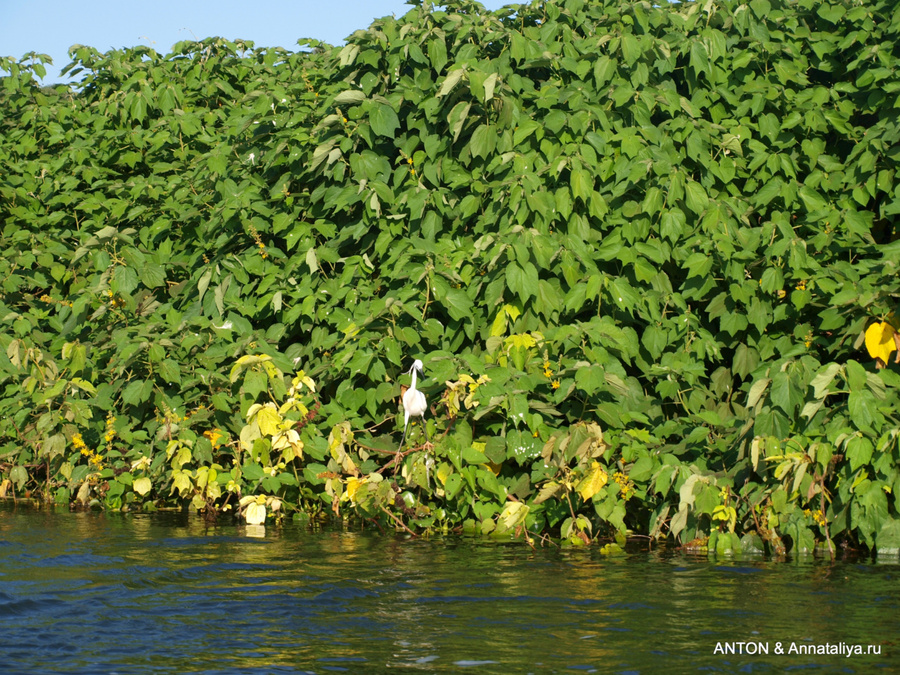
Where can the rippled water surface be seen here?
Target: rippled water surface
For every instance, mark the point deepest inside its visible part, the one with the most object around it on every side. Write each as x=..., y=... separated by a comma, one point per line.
x=102, y=593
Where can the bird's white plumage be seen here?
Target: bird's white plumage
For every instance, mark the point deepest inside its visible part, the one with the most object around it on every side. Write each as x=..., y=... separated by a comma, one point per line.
x=414, y=403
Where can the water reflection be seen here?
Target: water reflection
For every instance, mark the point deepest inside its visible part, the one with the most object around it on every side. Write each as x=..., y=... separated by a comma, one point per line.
x=104, y=593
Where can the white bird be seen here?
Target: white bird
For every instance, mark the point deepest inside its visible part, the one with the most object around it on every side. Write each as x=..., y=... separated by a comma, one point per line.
x=414, y=403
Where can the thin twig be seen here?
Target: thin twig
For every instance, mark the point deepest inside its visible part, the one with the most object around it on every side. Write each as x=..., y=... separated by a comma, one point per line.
x=399, y=522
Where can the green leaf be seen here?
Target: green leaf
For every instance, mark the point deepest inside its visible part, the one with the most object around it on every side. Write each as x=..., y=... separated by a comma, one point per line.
x=756, y=391
x=672, y=224
x=153, y=275
x=124, y=280
x=654, y=340
x=137, y=392
x=746, y=359
x=861, y=405
x=887, y=539
x=19, y=476
x=859, y=451
x=437, y=53
x=349, y=96
x=695, y=197
x=831, y=13
x=582, y=184
x=458, y=304
x=450, y=82
x=483, y=141
x=473, y=456
x=383, y=119
x=457, y=118
x=522, y=280
x=785, y=393
x=697, y=264
x=452, y=485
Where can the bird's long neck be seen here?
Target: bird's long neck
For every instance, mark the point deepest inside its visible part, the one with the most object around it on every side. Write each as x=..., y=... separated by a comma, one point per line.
x=414, y=379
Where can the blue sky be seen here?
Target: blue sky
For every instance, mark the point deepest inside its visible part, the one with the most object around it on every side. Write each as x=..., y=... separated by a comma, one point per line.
x=52, y=26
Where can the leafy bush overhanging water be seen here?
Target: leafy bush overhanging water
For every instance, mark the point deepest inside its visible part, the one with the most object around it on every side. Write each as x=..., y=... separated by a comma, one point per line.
x=636, y=245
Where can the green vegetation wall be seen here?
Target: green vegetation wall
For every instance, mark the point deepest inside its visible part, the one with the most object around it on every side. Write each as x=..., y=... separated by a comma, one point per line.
x=637, y=246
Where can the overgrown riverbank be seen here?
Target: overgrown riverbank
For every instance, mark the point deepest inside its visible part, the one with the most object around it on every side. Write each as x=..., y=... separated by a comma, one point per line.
x=637, y=248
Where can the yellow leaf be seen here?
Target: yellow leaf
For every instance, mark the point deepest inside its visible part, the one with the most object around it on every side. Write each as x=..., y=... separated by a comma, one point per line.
x=246, y=361
x=181, y=481
x=353, y=484
x=512, y=311
x=255, y=514
x=308, y=381
x=593, y=482
x=142, y=485
x=880, y=340
x=268, y=420
x=523, y=340
x=498, y=328
x=513, y=515
x=213, y=490
x=249, y=434
x=182, y=457
x=443, y=473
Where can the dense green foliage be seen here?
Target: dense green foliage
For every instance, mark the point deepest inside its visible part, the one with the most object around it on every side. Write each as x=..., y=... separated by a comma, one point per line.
x=637, y=247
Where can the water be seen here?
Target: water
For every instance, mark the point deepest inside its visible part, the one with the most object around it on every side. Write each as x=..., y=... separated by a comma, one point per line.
x=107, y=593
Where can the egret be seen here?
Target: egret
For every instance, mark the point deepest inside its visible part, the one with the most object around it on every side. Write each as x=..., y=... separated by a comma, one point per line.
x=414, y=404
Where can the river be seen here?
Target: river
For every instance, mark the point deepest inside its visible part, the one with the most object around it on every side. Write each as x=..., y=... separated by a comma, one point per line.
x=99, y=593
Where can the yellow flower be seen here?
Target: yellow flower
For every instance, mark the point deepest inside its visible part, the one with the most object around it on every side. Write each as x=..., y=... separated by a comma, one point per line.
x=547, y=372
x=626, y=487
x=110, y=431
x=555, y=384
x=214, y=435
